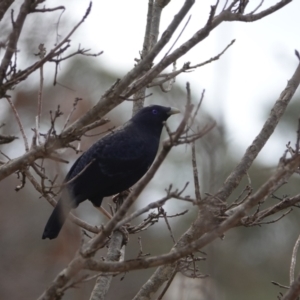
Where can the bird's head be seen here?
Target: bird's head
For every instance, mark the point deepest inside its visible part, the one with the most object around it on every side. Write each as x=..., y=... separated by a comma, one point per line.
x=153, y=116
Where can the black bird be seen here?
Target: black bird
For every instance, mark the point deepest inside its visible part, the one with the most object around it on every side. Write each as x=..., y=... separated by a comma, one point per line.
x=111, y=165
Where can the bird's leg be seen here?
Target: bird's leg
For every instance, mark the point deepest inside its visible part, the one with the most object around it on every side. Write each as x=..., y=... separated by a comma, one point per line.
x=104, y=212
x=118, y=199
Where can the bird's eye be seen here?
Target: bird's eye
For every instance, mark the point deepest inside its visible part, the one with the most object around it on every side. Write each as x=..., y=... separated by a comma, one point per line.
x=154, y=111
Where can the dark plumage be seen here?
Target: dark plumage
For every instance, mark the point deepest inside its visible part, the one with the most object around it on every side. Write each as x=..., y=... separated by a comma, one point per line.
x=111, y=165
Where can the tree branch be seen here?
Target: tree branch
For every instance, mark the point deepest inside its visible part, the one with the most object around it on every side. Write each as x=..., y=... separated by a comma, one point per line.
x=114, y=254
x=283, y=173
x=14, y=37
x=4, y=6
x=212, y=207
x=100, y=239
x=252, y=151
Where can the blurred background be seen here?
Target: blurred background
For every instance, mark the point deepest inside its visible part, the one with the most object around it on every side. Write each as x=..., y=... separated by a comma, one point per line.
x=241, y=88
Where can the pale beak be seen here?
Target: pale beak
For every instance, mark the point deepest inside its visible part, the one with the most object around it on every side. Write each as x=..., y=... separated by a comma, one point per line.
x=173, y=111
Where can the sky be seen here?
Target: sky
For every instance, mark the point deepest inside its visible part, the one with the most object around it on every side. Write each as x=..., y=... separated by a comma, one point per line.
x=248, y=78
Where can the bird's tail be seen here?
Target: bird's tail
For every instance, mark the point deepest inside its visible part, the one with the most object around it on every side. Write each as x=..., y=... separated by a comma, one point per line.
x=57, y=219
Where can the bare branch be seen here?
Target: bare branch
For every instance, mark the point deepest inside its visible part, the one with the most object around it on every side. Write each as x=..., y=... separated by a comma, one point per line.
x=254, y=17
x=14, y=36
x=150, y=206
x=6, y=139
x=41, y=54
x=230, y=222
x=111, y=225
x=77, y=221
x=285, y=203
x=168, y=224
x=213, y=58
x=212, y=220
x=150, y=39
x=94, y=244
x=195, y=173
x=293, y=261
x=181, y=32
x=42, y=10
x=257, y=7
x=160, y=297
x=212, y=207
x=19, y=123
x=57, y=50
x=252, y=151
x=187, y=67
x=294, y=290
x=45, y=150
x=4, y=6
x=297, y=54
x=267, y=222
x=114, y=254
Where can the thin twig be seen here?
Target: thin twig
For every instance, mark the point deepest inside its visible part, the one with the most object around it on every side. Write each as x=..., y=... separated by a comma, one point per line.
x=213, y=58
x=19, y=123
x=77, y=221
x=41, y=54
x=71, y=112
x=181, y=32
x=160, y=297
x=195, y=174
x=49, y=9
x=168, y=224
x=257, y=7
x=6, y=139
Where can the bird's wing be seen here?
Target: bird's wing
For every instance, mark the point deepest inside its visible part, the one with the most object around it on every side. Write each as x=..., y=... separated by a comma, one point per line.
x=125, y=152
x=118, y=154
x=77, y=167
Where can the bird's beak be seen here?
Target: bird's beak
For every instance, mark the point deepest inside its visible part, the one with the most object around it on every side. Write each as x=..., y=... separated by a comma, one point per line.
x=173, y=111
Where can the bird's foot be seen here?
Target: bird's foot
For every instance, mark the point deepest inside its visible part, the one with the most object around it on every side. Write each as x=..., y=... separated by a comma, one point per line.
x=118, y=199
